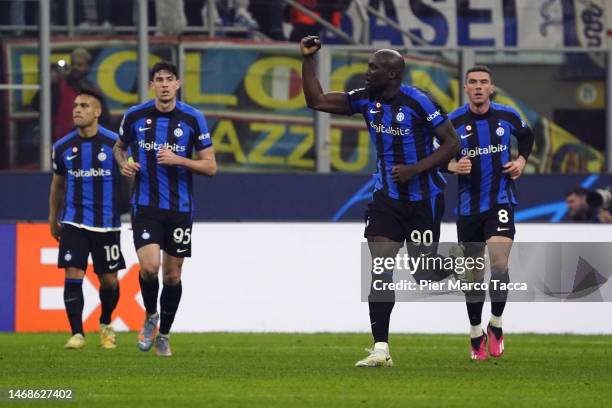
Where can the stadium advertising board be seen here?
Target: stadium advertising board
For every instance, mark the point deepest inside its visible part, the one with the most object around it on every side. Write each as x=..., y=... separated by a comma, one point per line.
x=518, y=23
x=39, y=284
x=299, y=197
x=7, y=277
x=316, y=261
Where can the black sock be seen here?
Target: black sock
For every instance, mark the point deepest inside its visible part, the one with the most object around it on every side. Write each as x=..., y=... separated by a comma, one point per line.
x=108, y=299
x=73, y=300
x=476, y=341
x=497, y=331
x=436, y=273
x=431, y=263
x=169, y=301
x=381, y=304
x=149, y=290
x=380, y=316
x=498, y=296
x=474, y=300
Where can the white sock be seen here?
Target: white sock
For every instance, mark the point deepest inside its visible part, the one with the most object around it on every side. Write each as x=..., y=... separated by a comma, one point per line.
x=475, y=331
x=496, y=321
x=381, y=345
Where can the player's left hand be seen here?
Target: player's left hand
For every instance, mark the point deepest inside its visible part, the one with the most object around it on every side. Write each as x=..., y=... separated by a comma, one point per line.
x=401, y=173
x=515, y=168
x=167, y=157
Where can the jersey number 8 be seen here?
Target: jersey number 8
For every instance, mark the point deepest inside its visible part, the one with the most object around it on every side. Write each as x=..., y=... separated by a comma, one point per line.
x=503, y=216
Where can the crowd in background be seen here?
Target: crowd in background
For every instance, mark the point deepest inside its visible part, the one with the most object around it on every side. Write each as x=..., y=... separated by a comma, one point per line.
x=176, y=17
x=274, y=18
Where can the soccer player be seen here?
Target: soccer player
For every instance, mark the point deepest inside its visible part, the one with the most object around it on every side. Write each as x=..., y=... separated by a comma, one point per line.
x=84, y=215
x=487, y=196
x=163, y=134
x=407, y=204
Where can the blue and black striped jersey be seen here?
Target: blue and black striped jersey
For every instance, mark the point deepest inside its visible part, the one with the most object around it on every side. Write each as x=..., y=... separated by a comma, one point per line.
x=402, y=131
x=486, y=139
x=92, y=178
x=146, y=130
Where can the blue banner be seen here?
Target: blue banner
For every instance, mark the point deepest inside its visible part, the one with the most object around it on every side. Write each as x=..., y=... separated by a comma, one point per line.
x=303, y=197
x=7, y=277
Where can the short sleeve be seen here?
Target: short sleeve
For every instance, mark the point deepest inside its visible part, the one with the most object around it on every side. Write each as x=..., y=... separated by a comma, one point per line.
x=57, y=162
x=434, y=115
x=357, y=99
x=202, y=135
x=436, y=146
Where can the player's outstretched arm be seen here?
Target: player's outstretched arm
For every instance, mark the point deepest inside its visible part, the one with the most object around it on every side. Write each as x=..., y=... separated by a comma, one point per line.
x=205, y=164
x=120, y=154
x=331, y=102
x=56, y=203
x=449, y=146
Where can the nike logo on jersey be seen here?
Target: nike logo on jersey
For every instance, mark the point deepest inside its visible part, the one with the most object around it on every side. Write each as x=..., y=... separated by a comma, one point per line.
x=373, y=111
x=466, y=136
x=71, y=157
x=180, y=251
x=140, y=129
x=503, y=229
x=113, y=266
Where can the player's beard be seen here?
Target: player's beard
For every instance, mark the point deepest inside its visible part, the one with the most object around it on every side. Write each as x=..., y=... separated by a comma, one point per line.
x=374, y=90
x=82, y=125
x=481, y=102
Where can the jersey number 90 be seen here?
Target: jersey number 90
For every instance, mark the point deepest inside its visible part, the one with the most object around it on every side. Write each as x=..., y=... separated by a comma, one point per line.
x=418, y=237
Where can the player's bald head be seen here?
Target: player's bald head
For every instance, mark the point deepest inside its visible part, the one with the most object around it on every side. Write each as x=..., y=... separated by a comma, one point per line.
x=390, y=60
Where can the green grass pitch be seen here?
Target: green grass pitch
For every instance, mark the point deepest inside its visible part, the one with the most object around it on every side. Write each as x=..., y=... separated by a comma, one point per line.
x=312, y=370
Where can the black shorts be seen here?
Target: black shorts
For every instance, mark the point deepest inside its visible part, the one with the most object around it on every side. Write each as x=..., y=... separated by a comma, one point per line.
x=498, y=221
x=399, y=220
x=171, y=230
x=77, y=243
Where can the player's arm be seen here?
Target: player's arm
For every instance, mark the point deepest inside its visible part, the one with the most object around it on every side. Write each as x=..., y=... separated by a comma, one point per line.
x=331, y=102
x=56, y=203
x=449, y=147
x=127, y=168
x=524, y=136
x=205, y=164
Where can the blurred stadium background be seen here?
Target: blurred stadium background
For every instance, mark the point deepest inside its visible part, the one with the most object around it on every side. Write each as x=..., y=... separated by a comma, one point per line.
x=285, y=214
